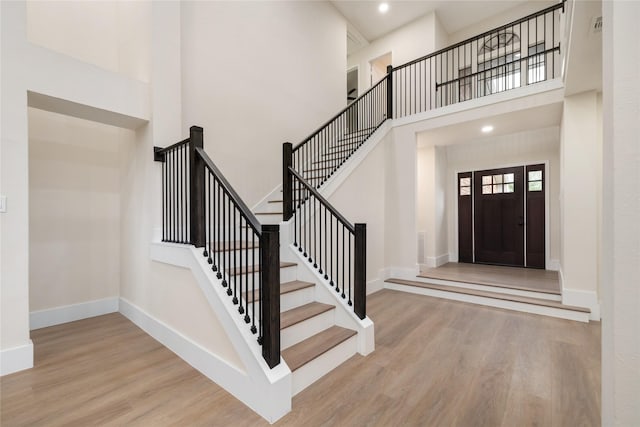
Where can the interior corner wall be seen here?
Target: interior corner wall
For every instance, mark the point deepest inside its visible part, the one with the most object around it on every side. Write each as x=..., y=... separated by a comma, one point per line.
x=407, y=43
x=170, y=295
x=581, y=156
x=74, y=210
x=521, y=148
x=621, y=210
x=112, y=35
x=431, y=189
x=256, y=75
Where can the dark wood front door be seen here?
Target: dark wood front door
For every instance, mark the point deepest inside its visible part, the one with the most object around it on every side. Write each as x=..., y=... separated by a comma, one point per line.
x=499, y=216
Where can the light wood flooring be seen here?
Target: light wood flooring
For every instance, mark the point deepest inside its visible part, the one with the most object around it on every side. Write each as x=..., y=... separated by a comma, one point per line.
x=436, y=363
x=528, y=279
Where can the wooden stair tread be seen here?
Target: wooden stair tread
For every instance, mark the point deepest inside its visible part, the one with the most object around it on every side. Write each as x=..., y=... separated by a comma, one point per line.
x=275, y=201
x=256, y=268
x=487, y=294
x=285, y=288
x=268, y=213
x=307, y=350
x=302, y=313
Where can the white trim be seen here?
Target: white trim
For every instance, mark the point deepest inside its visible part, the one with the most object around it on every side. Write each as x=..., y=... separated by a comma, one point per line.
x=553, y=265
x=581, y=298
x=16, y=359
x=432, y=262
x=492, y=302
x=374, y=286
x=71, y=313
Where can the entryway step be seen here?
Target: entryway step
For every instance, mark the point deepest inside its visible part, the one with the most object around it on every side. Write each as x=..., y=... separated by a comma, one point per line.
x=494, y=299
x=304, y=352
x=302, y=313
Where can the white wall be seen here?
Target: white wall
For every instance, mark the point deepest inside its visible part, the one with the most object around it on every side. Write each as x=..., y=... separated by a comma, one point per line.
x=113, y=35
x=518, y=149
x=74, y=214
x=256, y=75
x=621, y=210
x=407, y=43
x=361, y=199
x=581, y=154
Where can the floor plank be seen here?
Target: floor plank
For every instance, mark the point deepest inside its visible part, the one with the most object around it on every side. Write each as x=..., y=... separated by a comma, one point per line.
x=436, y=363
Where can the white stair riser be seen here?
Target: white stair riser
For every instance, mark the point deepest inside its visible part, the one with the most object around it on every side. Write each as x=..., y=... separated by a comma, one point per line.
x=294, y=299
x=309, y=373
x=242, y=257
x=491, y=302
x=486, y=288
x=272, y=207
x=306, y=329
x=287, y=274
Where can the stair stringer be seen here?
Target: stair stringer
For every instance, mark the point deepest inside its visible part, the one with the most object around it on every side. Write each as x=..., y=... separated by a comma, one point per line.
x=267, y=391
x=323, y=292
x=340, y=176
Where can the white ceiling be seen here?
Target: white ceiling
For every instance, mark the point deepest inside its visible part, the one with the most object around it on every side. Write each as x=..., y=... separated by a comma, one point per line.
x=453, y=15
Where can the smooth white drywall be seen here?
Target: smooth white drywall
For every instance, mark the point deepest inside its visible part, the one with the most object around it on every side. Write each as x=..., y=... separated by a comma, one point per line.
x=256, y=75
x=113, y=35
x=167, y=293
x=522, y=148
x=361, y=199
x=621, y=210
x=578, y=194
x=74, y=210
x=407, y=43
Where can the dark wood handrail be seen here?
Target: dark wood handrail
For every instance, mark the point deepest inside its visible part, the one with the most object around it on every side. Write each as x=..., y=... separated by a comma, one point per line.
x=172, y=146
x=486, y=33
x=231, y=193
x=323, y=201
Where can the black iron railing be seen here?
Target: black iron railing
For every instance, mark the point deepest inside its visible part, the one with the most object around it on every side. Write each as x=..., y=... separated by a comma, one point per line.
x=517, y=54
x=324, y=151
x=200, y=207
x=330, y=243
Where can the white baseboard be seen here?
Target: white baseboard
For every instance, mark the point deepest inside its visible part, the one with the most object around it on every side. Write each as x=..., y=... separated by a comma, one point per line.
x=399, y=273
x=71, y=313
x=580, y=298
x=433, y=262
x=16, y=359
x=553, y=265
x=374, y=286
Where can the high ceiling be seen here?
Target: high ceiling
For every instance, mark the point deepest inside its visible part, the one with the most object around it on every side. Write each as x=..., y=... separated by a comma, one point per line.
x=453, y=15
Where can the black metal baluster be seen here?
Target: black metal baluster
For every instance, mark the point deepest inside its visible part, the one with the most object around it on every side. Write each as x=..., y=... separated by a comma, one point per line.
x=236, y=268
x=343, y=252
x=253, y=284
x=349, y=262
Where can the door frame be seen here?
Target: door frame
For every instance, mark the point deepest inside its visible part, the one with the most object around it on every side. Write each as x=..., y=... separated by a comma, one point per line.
x=453, y=253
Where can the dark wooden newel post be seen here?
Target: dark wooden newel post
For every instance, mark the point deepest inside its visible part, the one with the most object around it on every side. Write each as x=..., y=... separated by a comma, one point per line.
x=287, y=181
x=389, y=92
x=196, y=188
x=270, y=293
x=360, y=271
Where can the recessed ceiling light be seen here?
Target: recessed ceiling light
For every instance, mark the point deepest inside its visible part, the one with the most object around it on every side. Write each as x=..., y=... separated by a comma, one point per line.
x=487, y=129
x=383, y=8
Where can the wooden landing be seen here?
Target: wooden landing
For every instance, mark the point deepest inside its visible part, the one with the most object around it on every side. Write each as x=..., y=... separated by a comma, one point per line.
x=527, y=279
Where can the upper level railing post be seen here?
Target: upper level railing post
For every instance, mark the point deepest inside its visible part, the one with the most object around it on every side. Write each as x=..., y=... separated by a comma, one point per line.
x=270, y=293
x=360, y=271
x=389, y=92
x=197, y=227
x=287, y=181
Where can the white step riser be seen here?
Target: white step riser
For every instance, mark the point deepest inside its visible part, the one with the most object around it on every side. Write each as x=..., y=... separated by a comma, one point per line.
x=286, y=275
x=294, y=299
x=490, y=302
x=271, y=207
x=474, y=286
x=306, y=329
x=269, y=219
x=309, y=373
x=242, y=258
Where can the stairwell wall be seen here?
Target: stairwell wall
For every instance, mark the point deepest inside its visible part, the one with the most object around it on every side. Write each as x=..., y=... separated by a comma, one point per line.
x=256, y=75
